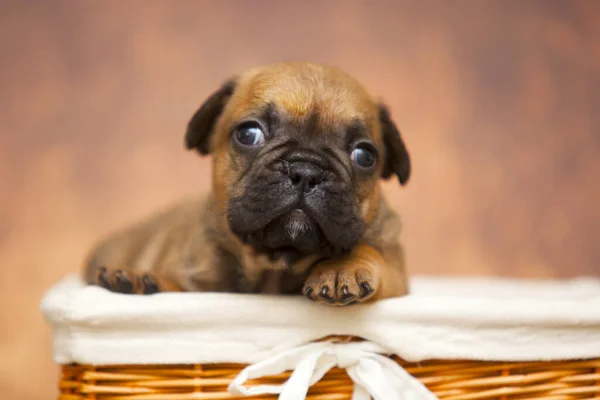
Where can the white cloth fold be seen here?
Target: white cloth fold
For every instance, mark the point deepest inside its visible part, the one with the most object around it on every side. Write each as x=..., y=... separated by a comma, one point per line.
x=481, y=319
x=375, y=375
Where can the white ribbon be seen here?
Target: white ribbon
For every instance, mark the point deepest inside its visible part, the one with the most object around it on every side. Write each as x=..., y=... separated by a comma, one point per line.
x=375, y=376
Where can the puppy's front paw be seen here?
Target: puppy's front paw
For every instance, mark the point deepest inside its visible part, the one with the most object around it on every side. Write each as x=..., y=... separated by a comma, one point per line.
x=341, y=283
x=125, y=281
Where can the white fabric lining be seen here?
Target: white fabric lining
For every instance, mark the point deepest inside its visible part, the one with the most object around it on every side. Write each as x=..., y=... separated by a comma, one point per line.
x=443, y=318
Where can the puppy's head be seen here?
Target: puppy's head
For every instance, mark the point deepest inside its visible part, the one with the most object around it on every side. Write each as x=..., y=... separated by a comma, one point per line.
x=298, y=151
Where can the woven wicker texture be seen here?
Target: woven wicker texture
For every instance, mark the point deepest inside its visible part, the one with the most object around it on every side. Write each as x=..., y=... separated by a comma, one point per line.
x=449, y=380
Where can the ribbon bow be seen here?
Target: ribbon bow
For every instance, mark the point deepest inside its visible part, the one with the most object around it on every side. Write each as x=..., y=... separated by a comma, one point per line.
x=375, y=376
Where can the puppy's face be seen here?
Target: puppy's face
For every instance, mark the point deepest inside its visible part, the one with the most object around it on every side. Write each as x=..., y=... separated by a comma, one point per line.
x=298, y=151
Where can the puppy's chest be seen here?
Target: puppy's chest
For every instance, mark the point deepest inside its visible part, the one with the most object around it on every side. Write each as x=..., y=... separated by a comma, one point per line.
x=273, y=282
x=235, y=277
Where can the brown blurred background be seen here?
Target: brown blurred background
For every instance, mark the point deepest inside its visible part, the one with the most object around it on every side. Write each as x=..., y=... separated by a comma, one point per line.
x=499, y=102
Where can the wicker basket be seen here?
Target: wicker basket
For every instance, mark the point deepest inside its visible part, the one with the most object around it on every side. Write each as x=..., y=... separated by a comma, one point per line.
x=449, y=380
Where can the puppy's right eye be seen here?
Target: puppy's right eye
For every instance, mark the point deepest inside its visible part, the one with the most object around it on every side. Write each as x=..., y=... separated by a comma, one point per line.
x=250, y=134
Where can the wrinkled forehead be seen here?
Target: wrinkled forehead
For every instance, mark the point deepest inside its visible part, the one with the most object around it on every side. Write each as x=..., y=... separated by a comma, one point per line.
x=326, y=100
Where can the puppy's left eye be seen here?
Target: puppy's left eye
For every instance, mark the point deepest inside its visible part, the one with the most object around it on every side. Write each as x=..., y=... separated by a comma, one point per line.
x=363, y=157
x=250, y=135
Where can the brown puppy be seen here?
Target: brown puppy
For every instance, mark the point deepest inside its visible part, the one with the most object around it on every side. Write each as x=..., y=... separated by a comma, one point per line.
x=296, y=207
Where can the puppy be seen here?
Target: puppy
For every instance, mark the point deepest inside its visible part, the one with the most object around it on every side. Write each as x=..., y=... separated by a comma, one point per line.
x=296, y=206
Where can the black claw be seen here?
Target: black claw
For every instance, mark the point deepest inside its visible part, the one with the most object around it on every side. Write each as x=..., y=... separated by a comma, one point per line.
x=149, y=286
x=366, y=290
x=346, y=295
x=122, y=283
x=308, y=292
x=324, y=294
x=102, y=281
x=347, y=299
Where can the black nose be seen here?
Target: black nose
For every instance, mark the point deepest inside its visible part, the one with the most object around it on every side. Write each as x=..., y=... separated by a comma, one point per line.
x=305, y=175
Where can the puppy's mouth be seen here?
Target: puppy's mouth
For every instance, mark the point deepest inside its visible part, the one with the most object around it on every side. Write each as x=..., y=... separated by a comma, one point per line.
x=290, y=237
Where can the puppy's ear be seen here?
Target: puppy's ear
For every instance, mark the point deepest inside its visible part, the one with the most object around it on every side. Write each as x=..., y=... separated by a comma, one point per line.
x=396, y=159
x=200, y=127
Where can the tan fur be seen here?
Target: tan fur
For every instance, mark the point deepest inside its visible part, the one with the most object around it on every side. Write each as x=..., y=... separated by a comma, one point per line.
x=177, y=248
